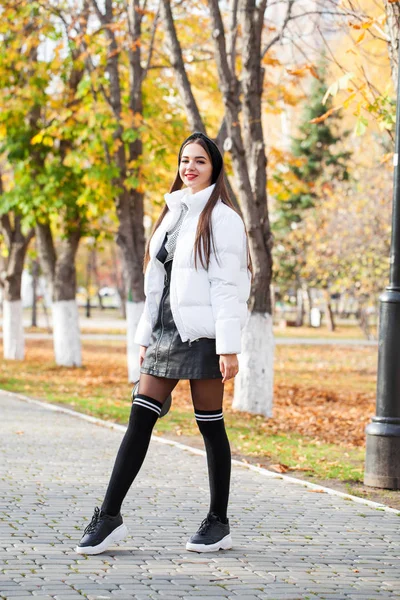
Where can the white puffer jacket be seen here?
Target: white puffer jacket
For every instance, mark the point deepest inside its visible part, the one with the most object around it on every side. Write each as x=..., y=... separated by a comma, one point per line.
x=204, y=303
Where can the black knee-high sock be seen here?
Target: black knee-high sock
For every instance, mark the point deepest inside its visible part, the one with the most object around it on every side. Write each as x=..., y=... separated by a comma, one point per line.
x=212, y=428
x=144, y=414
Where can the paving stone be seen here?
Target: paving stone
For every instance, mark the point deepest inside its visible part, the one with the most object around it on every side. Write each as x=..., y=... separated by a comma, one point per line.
x=25, y=597
x=290, y=544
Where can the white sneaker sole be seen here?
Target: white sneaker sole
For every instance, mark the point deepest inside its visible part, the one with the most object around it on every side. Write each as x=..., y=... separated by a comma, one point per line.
x=115, y=536
x=224, y=544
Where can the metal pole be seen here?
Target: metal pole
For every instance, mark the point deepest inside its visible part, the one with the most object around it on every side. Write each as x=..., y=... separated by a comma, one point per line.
x=382, y=462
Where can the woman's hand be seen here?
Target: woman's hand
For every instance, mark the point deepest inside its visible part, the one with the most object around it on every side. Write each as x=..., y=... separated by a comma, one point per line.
x=229, y=366
x=142, y=354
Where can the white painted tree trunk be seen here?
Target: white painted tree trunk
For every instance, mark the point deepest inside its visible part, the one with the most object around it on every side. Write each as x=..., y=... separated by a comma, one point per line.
x=66, y=333
x=13, y=330
x=133, y=313
x=254, y=382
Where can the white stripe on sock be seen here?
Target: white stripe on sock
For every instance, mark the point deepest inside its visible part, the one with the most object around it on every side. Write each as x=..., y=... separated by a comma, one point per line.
x=148, y=405
x=209, y=417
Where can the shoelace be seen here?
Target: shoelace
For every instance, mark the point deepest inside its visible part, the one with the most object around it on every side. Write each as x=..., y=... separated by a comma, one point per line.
x=204, y=525
x=95, y=519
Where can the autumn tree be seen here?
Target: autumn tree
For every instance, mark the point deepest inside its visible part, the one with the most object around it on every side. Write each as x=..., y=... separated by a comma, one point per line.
x=117, y=57
x=317, y=162
x=348, y=238
x=59, y=184
x=17, y=69
x=243, y=38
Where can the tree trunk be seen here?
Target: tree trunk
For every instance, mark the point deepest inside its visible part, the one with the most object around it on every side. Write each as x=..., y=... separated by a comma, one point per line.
x=363, y=318
x=129, y=203
x=132, y=249
x=47, y=253
x=60, y=270
x=328, y=311
x=35, y=276
x=88, y=283
x=134, y=265
x=300, y=307
x=254, y=383
x=118, y=283
x=308, y=303
x=17, y=245
x=66, y=333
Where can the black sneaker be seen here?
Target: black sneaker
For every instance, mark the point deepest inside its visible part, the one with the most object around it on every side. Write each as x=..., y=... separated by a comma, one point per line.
x=102, y=531
x=211, y=536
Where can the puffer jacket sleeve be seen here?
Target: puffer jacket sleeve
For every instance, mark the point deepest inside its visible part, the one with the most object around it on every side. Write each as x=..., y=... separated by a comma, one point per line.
x=144, y=327
x=224, y=274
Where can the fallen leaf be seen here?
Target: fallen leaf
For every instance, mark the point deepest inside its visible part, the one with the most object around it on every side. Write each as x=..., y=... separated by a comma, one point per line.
x=299, y=468
x=279, y=468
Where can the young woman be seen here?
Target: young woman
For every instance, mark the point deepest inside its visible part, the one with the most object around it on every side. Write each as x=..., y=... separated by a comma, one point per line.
x=197, y=283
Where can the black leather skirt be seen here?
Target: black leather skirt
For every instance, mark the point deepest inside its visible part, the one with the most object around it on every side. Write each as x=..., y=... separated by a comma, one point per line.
x=167, y=356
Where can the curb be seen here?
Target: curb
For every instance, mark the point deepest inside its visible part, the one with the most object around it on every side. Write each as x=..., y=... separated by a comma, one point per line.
x=260, y=470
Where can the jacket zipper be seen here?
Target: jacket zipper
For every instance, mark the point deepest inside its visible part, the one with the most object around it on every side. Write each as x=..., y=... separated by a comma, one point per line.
x=162, y=322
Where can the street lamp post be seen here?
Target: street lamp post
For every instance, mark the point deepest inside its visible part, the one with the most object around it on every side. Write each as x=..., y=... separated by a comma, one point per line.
x=382, y=462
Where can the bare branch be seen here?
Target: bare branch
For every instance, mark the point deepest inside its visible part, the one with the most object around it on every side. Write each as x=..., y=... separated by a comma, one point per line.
x=227, y=77
x=279, y=36
x=178, y=64
x=232, y=35
x=109, y=10
x=143, y=8
x=152, y=40
x=29, y=236
x=102, y=18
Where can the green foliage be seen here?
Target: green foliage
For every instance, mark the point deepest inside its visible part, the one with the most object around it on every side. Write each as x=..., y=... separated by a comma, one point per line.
x=55, y=157
x=316, y=163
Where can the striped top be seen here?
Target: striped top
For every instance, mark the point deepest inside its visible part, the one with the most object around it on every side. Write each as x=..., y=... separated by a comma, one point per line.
x=172, y=235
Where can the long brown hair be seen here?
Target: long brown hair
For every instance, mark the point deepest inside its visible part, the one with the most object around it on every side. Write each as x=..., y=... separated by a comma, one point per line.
x=204, y=234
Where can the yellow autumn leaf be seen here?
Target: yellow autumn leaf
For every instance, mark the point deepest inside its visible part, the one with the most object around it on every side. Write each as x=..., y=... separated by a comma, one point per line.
x=324, y=116
x=48, y=141
x=360, y=37
x=37, y=139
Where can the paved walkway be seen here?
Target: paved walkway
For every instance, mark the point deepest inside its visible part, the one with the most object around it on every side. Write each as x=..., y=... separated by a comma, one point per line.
x=290, y=542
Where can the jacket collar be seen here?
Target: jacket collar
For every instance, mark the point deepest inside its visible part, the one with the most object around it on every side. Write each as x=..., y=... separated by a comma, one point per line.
x=195, y=202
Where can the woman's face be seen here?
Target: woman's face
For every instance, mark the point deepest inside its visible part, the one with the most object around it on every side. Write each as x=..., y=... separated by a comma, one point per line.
x=195, y=168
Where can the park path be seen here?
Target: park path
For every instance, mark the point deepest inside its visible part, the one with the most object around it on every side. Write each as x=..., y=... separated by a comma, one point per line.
x=289, y=542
